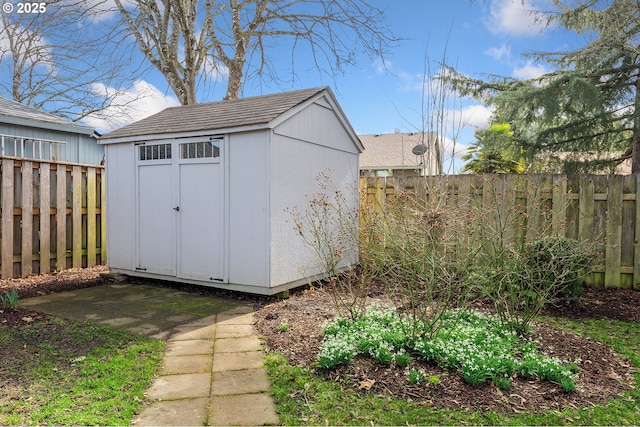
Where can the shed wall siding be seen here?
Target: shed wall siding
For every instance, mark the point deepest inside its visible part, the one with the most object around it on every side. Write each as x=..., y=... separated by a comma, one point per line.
x=319, y=125
x=248, y=196
x=120, y=168
x=295, y=168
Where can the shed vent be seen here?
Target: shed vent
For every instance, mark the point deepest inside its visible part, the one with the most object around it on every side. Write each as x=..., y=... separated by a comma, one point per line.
x=200, y=150
x=155, y=152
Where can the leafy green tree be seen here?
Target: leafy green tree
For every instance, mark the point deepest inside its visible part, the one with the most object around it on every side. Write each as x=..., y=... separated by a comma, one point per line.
x=591, y=103
x=495, y=151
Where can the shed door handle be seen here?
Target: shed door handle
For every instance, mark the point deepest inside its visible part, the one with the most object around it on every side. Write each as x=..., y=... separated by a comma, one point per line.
x=177, y=209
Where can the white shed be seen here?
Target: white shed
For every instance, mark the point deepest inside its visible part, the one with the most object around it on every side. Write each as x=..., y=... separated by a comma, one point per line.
x=199, y=193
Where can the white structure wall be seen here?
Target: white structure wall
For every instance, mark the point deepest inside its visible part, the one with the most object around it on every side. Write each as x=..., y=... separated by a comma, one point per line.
x=249, y=208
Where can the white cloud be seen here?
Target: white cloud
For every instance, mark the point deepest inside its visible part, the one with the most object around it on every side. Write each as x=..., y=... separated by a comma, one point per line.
x=476, y=116
x=500, y=53
x=453, y=149
x=529, y=71
x=141, y=100
x=516, y=17
x=382, y=65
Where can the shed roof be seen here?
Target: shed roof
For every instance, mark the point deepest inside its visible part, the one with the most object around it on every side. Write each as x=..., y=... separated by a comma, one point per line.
x=19, y=114
x=393, y=150
x=255, y=110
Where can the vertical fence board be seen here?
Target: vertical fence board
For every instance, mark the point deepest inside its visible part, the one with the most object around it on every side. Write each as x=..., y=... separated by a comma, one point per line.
x=61, y=217
x=91, y=217
x=27, y=219
x=76, y=217
x=7, y=218
x=614, y=233
x=586, y=209
x=45, y=218
x=559, y=204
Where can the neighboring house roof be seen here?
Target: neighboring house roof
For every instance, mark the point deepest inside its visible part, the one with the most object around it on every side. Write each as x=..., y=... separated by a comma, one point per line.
x=223, y=116
x=15, y=113
x=394, y=150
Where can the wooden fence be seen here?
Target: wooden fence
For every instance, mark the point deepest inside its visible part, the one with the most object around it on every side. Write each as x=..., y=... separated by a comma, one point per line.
x=51, y=216
x=604, y=209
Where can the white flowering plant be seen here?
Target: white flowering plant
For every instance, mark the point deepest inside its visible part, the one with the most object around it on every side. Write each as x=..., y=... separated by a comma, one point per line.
x=479, y=346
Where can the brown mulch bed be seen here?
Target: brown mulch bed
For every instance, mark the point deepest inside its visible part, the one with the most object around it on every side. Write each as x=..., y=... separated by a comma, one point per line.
x=603, y=374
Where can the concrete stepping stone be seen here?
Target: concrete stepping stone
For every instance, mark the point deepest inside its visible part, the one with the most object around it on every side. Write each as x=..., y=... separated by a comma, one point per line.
x=242, y=410
x=246, y=381
x=184, y=412
x=182, y=386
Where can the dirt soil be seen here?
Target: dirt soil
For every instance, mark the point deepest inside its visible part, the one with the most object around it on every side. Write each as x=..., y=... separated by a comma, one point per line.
x=603, y=374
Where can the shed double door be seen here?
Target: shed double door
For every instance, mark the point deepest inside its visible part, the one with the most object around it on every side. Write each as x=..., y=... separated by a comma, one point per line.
x=180, y=211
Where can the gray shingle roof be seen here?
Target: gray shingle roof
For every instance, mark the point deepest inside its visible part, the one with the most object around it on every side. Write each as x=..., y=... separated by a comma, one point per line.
x=216, y=115
x=393, y=150
x=17, y=113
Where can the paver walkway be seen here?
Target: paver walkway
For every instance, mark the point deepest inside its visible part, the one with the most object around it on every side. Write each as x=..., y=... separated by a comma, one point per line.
x=212, y=374
x=212, y=371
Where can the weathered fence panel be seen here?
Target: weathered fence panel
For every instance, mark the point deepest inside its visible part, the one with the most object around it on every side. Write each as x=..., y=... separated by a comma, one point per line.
x=51, y=216
x=603, y=209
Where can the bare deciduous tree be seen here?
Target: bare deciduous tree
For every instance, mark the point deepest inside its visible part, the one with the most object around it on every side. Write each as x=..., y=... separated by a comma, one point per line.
x=172, y=40
x=51, y=61
x=244, y=37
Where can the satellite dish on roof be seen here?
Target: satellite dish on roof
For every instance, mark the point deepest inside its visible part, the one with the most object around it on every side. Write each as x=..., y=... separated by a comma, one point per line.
x=419, y=149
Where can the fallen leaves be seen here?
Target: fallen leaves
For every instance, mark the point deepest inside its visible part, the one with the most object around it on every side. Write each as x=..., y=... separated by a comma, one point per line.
x=366, y=384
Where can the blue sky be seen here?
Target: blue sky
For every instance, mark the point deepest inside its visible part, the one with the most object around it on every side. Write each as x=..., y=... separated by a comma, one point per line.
x=480, y=37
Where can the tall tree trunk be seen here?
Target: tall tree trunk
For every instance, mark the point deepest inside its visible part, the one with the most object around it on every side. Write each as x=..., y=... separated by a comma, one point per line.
x=236, y=64
x=235, y=78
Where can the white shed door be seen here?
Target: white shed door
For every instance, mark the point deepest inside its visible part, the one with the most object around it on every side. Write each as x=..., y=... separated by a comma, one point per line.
x=200, y=232
x=156, y=249
x=181, y=199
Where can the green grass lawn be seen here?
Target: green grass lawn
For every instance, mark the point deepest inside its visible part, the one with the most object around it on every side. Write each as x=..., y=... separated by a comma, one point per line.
x=305, y=399
x=58, y=372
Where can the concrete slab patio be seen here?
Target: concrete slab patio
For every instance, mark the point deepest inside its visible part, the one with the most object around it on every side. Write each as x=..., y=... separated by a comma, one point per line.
x=212, y=371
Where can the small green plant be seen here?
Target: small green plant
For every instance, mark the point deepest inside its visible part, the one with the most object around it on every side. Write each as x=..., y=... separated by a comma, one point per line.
x=283, y=327
x=402, y=358
x=415, y=376
x=433, y=379
x=9, y=299
x=383, y=354
x=501, y=381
